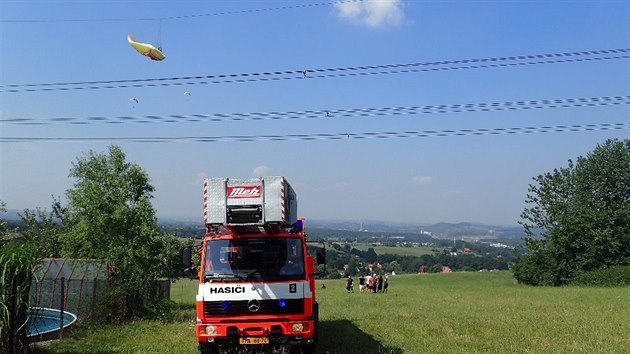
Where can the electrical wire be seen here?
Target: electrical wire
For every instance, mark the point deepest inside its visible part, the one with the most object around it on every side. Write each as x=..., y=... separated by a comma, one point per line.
x=236, y=12
x=401, y=68
x=335, y=136
x=332, y=113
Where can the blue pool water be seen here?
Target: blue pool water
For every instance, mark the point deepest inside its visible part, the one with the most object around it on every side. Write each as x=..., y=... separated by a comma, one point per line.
x=47, y=321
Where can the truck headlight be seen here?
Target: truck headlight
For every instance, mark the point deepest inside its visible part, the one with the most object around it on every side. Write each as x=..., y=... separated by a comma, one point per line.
x=212, y=330
x=299, y=327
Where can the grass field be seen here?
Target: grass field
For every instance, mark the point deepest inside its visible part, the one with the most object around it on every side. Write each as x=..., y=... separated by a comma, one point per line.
x=433, y=313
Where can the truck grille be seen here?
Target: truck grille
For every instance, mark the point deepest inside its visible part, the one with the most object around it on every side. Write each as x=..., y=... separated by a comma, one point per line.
x=230, y=308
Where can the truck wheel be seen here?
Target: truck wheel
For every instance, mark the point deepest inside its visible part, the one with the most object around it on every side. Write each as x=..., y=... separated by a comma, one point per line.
x=208, y=349
x=309, y=349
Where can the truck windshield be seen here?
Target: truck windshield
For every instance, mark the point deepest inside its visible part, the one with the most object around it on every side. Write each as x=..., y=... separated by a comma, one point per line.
x=254, y=259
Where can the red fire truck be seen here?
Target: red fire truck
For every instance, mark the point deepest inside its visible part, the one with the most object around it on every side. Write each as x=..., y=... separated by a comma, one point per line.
x=256, y=280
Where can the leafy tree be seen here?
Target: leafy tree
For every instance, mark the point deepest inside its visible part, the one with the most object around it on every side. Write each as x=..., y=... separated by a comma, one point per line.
x=42, y=232
x=371, y=255
x=578, y=218
x=353, y=265
x=109, y=216
x=170, y=256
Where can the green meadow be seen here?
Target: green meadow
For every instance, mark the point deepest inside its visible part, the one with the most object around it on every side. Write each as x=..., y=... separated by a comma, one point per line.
x=401, y=251
x=430, y=313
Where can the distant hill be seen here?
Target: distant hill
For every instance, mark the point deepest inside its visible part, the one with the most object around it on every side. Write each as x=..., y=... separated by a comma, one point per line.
x=472, y=229
x=11, y=215
x=439, y=230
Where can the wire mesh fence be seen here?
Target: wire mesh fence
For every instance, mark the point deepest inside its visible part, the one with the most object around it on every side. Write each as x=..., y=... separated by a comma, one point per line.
x=84, y=284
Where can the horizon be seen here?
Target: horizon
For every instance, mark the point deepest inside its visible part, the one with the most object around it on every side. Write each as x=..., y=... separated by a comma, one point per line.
x=13, y=214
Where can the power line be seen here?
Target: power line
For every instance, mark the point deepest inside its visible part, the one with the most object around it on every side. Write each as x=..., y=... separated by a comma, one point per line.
x=332, y=113
x=335, y=136
x=182, y=17
x=400, y=68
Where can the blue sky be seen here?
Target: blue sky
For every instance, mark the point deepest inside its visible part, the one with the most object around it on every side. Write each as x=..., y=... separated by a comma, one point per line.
x=476, y=178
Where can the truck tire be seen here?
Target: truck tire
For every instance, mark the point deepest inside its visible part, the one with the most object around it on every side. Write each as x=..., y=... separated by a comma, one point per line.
x=309, y=349
x=316, y=321
x=208, y=349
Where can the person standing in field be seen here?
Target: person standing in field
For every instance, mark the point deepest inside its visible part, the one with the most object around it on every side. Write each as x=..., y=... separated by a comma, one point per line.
x=379, y=283
x=349, y=285
x=422, y=269
x=385, y=284
x=361, y=284
x=372, y=283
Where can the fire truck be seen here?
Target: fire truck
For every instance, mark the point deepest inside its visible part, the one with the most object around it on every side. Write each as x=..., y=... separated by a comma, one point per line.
x=256, y=278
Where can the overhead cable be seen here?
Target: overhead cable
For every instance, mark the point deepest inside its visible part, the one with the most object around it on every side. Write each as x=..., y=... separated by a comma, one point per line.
x=334, y=136
x=182, y=17
x=400, y=68
x=332, y=113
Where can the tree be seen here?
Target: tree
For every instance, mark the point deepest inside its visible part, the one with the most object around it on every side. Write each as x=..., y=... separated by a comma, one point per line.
x=353, y=265
x=578, y=217
x=42, y=232
x=170, y=256
x=109, y=216
x=371, y=255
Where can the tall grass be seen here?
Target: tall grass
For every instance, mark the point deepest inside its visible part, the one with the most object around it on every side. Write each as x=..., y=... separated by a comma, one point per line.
x=16, y=274
x=434, y=313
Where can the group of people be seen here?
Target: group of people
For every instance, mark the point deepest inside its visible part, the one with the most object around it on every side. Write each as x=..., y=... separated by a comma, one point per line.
x=369, y=283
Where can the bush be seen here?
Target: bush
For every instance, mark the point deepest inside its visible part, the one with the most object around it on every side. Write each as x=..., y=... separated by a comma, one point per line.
x=613, y=276
x=537, y=268
x=334, y=275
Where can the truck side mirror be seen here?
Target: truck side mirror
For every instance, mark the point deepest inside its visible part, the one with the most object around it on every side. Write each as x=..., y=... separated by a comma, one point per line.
x=186, y=260
x=298, y=226
x=321, y=256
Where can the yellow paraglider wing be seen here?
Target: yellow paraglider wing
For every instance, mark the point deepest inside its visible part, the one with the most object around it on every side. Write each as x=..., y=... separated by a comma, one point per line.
x=146, y=49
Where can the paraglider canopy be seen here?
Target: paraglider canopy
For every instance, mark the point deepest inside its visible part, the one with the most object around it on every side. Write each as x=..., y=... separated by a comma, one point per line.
x=146, y=49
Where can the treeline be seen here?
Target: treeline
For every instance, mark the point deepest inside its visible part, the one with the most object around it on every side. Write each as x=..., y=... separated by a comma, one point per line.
x=344, y=261
x=394, y=238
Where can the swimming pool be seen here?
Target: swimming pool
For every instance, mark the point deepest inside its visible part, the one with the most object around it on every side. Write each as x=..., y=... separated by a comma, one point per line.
x=46, y=321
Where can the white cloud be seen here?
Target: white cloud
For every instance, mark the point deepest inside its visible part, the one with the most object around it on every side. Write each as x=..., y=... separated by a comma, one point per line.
x=376, y=13
x=422, y=179
x=260, y=171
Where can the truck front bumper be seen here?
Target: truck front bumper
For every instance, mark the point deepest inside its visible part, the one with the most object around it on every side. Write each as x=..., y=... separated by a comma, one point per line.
x=246, y=333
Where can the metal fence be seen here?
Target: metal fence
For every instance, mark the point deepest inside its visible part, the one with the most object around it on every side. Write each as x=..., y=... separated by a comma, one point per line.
x=72, y=285
x=80, y=287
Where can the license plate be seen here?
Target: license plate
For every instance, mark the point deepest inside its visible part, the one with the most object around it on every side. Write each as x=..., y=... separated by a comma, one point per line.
x=254, y=340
